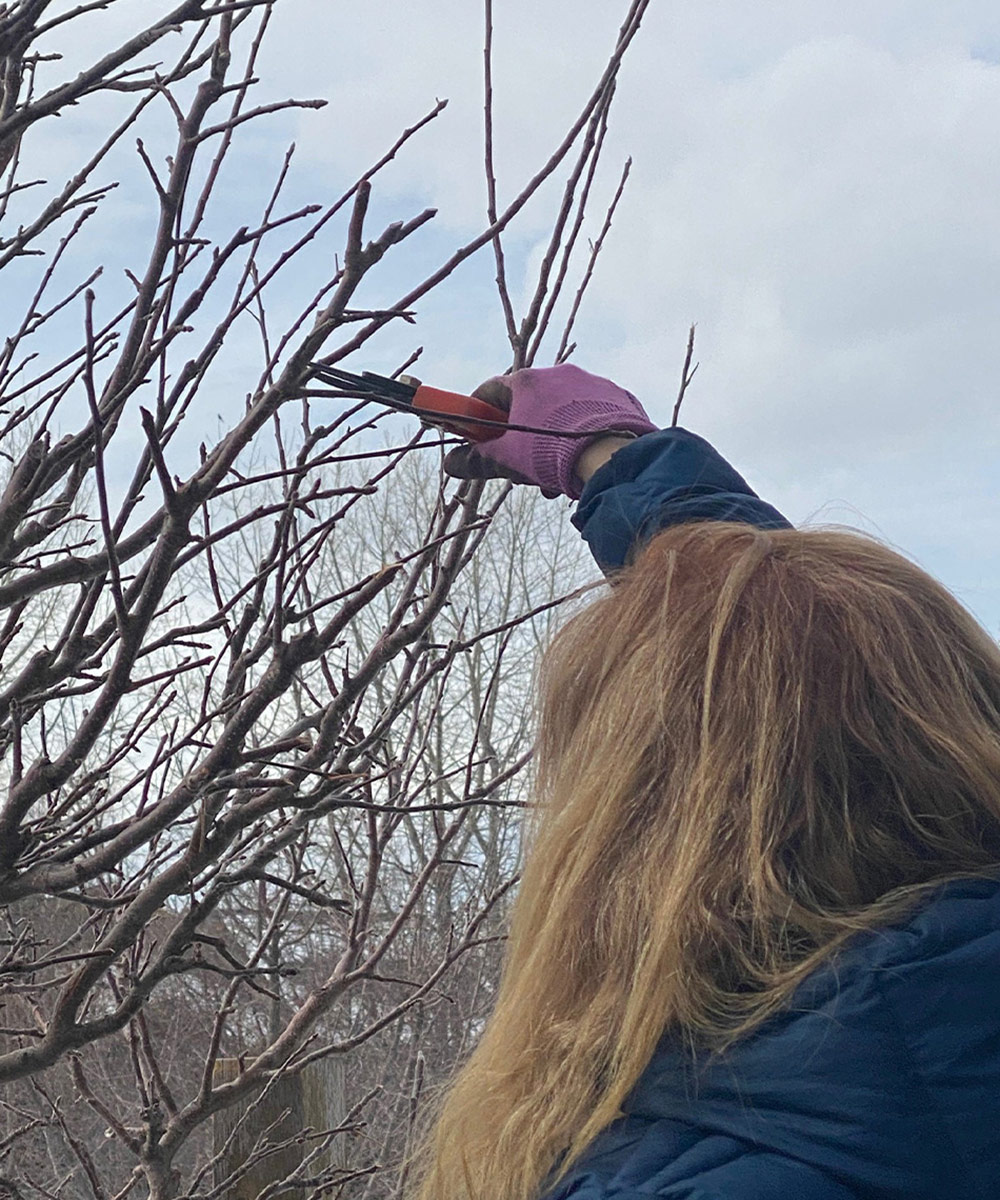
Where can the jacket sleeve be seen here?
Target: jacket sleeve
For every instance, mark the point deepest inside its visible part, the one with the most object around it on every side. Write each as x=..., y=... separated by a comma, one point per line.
x=662, y=479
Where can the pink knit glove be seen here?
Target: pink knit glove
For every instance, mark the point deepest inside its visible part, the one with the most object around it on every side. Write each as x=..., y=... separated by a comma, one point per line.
x=559, y=401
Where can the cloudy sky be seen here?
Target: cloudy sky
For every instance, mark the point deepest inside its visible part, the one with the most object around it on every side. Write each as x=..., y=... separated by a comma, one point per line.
x=816, y=184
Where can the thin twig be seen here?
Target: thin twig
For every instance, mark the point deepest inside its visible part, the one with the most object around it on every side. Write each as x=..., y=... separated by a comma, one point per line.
x=102, y=489
x=563, y=352
x=687, y=374
x=491, y=181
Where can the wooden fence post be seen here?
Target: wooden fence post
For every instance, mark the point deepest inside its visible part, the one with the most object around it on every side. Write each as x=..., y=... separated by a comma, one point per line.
x=312, y=1098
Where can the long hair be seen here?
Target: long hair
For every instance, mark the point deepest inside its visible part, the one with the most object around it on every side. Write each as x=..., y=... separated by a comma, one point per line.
x=753, y=746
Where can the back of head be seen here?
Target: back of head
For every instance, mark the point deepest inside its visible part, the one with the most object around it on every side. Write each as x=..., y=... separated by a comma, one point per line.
x=756, y=744
x=812, y=697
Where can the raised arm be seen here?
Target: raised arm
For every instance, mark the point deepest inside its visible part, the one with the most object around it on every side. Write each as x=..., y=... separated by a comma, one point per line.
x=600, y=447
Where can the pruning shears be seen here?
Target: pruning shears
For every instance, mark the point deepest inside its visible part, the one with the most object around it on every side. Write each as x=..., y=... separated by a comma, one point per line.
x=471, y=418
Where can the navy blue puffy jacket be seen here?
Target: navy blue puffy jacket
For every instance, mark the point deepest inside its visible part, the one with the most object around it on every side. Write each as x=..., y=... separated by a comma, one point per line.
x=881, y=1079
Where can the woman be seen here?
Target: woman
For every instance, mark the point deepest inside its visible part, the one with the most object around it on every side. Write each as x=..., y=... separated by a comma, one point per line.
x=756, y=950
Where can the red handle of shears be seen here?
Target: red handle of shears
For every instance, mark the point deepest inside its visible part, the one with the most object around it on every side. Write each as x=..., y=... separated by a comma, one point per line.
x=467, y=411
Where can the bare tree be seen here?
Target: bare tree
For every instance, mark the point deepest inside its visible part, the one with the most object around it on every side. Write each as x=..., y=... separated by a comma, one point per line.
x=260, y=751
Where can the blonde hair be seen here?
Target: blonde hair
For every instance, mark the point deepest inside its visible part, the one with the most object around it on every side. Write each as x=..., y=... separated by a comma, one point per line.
x=755, y=745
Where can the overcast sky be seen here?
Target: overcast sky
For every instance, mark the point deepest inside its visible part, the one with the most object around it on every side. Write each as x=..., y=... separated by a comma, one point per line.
x=816, y=184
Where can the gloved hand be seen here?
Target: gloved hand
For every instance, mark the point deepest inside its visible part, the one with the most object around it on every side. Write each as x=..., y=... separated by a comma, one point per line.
x=559, y=400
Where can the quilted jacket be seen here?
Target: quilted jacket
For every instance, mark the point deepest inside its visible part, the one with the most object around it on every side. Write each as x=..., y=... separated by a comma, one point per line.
x=881, y=1079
